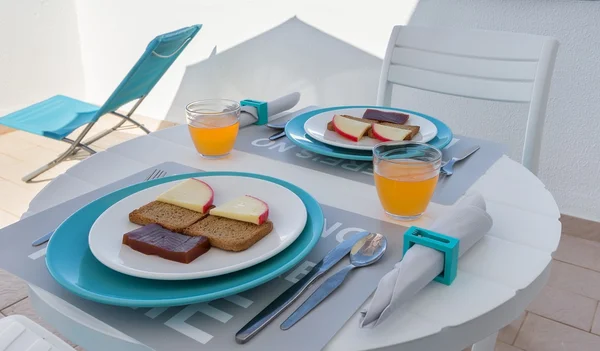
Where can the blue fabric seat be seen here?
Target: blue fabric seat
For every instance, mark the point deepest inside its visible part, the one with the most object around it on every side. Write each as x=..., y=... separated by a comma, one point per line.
x=59, y=116
x=55, y=118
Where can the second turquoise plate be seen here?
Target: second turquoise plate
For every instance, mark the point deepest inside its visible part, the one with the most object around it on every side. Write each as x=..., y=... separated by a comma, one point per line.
x=295, y=132
x=72, y=264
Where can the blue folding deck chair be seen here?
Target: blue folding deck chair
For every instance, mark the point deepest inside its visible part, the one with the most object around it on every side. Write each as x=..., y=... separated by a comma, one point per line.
x=60, y=115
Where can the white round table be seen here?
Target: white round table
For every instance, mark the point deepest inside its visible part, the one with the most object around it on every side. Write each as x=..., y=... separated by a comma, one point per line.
x=497, y=278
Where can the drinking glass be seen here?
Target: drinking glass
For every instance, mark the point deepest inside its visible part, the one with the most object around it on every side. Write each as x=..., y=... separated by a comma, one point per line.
x=406, y=174
x=213, y=126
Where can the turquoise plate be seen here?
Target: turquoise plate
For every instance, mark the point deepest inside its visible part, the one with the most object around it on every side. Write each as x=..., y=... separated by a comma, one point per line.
x=295, y=132
x=73, y=266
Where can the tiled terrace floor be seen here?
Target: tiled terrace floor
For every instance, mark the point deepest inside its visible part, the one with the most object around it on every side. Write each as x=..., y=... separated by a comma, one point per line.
x=565, y=316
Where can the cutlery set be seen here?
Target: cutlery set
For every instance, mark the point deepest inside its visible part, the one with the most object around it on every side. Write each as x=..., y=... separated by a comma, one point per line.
x=364, y=248
x=364, y=253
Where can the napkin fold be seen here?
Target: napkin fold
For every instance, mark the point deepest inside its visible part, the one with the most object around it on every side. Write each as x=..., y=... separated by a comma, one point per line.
x=247, y=119
x=249, y=116
x=467, y=221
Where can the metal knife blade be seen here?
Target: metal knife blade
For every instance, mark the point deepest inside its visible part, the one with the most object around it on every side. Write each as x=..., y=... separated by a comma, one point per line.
x=322, y=292
x=291, y=294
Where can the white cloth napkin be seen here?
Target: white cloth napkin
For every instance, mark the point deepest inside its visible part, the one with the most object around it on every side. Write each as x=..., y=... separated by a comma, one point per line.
x=467, y=221
x=274, y=108
x=247, y=119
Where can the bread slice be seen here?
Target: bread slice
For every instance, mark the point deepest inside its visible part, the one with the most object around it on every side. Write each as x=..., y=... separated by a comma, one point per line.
x=413, y=130
x=168, y=216
x=229, y=234
x=330, y=123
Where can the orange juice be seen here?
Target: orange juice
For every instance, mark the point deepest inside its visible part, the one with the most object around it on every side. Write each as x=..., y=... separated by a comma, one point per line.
x=405, y=188
x=214, y=136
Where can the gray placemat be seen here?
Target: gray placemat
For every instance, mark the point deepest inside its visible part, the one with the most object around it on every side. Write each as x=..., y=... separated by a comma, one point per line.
x=255, y=140
x=211, y=326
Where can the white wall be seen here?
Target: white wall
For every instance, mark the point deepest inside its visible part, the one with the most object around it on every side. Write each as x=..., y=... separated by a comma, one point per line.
x=40, y=55
x=114, y=33
x=570, y=159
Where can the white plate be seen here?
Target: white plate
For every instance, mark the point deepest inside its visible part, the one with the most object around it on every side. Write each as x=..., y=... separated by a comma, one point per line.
x=286, y=211
x=316, y=127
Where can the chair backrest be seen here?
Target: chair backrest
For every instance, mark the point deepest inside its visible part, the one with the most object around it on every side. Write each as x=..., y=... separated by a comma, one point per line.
x=158, y=57
x=488, y=65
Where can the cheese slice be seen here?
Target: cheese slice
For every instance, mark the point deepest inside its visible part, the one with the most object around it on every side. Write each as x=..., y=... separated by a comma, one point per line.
x=387, y=133
x=245, y=208
x=192, y=194
x=350, y=128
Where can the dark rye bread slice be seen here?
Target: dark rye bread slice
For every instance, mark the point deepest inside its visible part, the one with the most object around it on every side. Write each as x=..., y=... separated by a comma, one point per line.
x=168, y=216
x=229, y=234
x=413, y=130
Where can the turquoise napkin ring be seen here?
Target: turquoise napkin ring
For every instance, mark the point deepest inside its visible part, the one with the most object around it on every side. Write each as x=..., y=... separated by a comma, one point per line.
x=443, y=243
x=261, y=109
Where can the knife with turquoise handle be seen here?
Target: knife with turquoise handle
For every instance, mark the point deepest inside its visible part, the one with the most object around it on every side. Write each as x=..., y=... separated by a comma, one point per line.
x=275, y=308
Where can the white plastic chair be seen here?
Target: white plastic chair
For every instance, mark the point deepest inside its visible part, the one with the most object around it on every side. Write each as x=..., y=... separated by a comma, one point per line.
x=19, y=333
x=488, y=65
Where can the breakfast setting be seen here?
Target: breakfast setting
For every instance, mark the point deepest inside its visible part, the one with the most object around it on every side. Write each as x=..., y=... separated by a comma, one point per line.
x=271, y=224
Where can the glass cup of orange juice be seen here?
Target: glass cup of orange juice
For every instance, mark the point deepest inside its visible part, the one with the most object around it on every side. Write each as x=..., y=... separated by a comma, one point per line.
x=213, y=126
x=406, y=174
